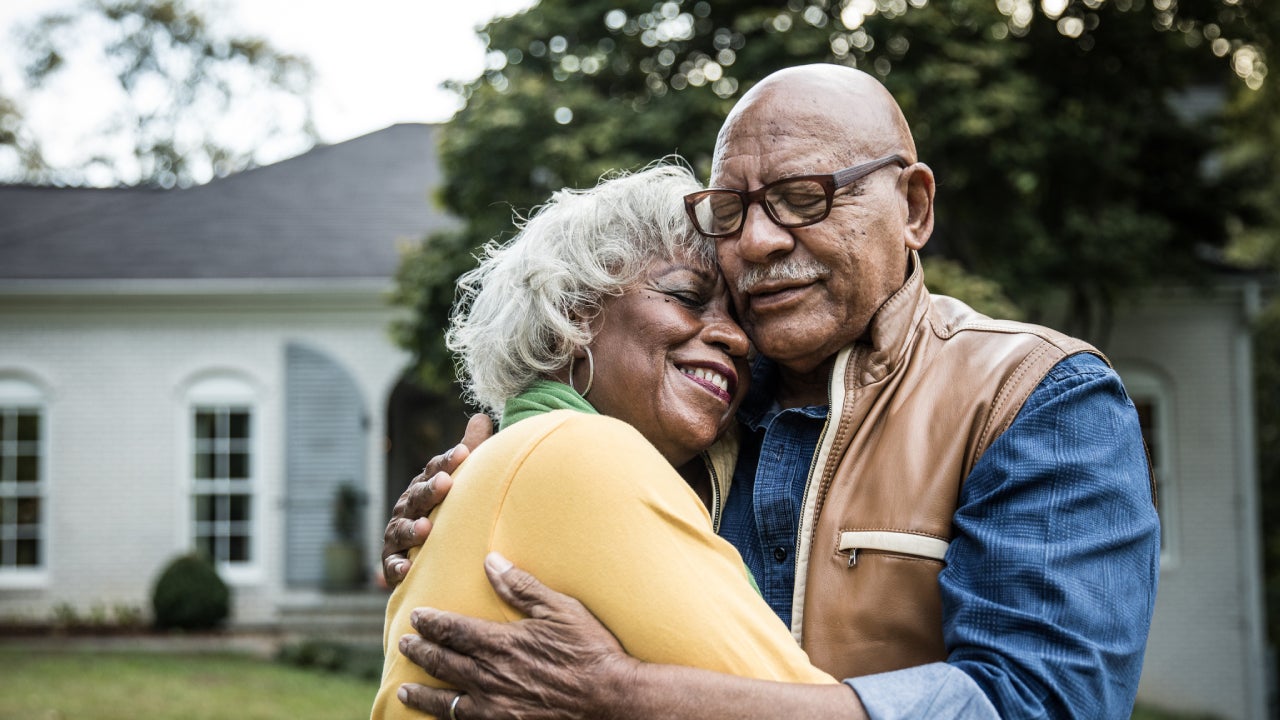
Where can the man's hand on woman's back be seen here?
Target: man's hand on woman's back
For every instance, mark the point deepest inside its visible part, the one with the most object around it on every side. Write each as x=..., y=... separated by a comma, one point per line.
x=409, y=526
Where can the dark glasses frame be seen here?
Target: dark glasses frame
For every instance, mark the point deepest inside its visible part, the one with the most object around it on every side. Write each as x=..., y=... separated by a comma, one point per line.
x=829, y=183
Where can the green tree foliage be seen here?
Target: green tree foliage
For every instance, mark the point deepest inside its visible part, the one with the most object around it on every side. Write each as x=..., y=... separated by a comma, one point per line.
x=1064, y=133
x=1250, y=156
x=195, y=102
x=17, y=138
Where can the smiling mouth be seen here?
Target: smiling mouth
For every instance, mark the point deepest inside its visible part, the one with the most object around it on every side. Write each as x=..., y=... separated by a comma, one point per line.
x=717, y=383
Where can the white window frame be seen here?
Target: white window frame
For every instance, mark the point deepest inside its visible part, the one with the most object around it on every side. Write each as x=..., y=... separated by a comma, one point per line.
x=1146, y=385
x=20, y=394
x=226, y=392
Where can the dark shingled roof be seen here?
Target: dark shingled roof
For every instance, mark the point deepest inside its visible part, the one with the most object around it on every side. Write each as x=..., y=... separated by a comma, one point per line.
x=338, y=211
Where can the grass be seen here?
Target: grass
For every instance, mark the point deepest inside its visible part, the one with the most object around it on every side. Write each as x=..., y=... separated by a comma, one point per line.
x=130, y=685
x=57, y=685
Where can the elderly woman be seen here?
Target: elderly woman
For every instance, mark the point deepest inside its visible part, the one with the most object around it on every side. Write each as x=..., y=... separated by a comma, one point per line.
x=602, y=337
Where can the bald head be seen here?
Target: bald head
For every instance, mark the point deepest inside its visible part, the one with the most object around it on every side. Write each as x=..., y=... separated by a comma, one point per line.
x=844, y=113
x=804, y=291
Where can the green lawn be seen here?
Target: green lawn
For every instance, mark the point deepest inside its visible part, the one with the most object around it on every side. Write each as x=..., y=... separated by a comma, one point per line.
x=42, y=685
x=127, y=686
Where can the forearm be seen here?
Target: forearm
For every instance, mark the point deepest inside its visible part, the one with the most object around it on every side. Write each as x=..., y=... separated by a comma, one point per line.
x=647, y=690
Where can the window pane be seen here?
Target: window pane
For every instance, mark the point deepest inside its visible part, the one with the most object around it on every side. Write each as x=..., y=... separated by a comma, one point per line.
x=21, y=504
x=221, y=452
x=238, y=466
x=239, y=508
x=239, y=548
x=28, y=427
x=204, y=546
x=204, y=466
x=28, y=511
x=28, y=552
x=204, y=509
x=206, y=422
x=239, y=425
x=28, y=468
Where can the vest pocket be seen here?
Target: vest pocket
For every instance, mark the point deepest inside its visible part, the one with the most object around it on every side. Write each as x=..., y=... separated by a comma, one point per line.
x=901, y=543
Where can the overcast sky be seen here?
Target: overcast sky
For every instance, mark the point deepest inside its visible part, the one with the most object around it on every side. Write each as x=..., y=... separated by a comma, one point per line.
x=378, y=62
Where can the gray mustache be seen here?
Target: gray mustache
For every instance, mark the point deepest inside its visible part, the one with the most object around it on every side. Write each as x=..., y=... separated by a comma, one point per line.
x=784, y=270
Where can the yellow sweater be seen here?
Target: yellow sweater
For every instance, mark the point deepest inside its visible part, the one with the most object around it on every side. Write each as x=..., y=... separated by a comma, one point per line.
x=589, y=507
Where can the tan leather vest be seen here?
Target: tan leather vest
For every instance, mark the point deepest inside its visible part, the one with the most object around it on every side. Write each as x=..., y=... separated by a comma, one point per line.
x=912, y=410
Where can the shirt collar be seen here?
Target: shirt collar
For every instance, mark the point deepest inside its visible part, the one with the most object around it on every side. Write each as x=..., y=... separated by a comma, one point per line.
x=759, y=406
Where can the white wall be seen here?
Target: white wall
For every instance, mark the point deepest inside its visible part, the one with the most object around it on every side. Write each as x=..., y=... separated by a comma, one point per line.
x=1204, y=649
x=116, y=368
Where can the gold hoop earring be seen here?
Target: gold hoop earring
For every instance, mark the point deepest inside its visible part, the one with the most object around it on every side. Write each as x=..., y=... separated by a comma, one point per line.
x=591, y=373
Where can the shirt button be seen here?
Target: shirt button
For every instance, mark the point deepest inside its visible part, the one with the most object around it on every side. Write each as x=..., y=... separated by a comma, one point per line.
x=779, y=554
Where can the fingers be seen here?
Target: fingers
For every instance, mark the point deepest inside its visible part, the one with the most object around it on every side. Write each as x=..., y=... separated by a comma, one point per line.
x=394, y=569
x=433, y=701
x=456, y=639
x=447, y=462
x=401, y=535
x=479, y=429
x=436, y=659
x=404, y=533
x=422, y=497
x=521, y=590
x=408, y=526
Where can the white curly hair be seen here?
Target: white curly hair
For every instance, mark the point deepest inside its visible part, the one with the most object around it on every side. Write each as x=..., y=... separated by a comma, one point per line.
x=522, y=312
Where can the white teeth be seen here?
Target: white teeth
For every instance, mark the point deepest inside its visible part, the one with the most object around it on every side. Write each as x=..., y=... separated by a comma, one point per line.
x=710, y=376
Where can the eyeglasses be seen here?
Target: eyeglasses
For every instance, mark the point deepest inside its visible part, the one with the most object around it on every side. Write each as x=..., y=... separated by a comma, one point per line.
x=790, y=202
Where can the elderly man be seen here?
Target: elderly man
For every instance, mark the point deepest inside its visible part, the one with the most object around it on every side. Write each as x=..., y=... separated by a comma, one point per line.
x=955, y=513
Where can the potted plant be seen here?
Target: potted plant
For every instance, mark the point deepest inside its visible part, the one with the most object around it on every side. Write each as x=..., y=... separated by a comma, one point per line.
x=344, y=554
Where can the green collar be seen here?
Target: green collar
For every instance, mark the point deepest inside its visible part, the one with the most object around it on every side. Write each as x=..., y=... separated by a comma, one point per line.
x=541, y=397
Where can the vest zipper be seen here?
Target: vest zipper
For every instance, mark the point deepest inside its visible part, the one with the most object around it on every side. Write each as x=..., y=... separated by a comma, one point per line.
x=715, y=492
x=797, y=616
x=808, y=481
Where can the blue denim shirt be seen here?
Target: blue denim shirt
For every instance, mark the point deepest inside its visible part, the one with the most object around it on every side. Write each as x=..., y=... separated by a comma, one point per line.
x=1050, y=578
x=762, y=519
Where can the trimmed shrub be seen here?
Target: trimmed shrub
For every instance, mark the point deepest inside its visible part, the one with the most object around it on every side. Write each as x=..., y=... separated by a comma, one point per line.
x=190, y=596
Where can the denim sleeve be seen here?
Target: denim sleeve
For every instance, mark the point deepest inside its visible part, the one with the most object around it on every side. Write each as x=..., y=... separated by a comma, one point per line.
x=937, y=691
x=1051, y=575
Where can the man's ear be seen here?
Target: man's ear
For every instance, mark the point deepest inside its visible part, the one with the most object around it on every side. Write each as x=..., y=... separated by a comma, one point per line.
x=919, y=196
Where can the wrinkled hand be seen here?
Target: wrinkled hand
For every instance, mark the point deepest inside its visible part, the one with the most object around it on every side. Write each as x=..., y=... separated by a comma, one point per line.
x=409, y=526
x=560, y=662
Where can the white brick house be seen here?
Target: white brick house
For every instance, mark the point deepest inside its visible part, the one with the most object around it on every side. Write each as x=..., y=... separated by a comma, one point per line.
x=1187, y=361
x=201, y=368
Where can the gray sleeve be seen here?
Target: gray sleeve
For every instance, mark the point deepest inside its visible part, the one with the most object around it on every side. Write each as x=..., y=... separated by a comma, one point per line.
x=937, y=691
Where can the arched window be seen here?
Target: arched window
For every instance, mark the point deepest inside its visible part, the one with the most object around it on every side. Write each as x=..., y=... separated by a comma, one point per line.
x=223, y=471
x=1153, y=397
x=23, y=479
